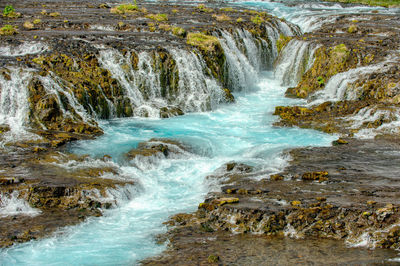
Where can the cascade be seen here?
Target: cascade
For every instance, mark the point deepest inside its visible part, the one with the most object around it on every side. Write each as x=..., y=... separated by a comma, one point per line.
x=242, y=75
x=295, y=59
x=197, y=92
x=14, y=105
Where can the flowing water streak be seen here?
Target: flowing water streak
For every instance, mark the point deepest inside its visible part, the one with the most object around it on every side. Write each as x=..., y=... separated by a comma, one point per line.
x=241, y=74
x=295, y=59
x=338, y=87
x=24, y=49
x=197, y=92
x=14, y=105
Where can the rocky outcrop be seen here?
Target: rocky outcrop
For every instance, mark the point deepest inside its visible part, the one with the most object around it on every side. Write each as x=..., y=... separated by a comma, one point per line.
x=60, y=193
x=347, y=192
x=352, y=85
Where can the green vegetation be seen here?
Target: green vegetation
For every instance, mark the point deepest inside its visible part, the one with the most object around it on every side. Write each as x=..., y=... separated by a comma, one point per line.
x=221, y=18
x=124, y=9
x=257, y=20
x=352, y=29
x=213, y=259
x=158, y=17
x=178, y=31
x=165, y=27
x=205, y=42
x=8, y=30
x=384, y=3
x=282, y=42
x=203, y=8
x=228, y=9
x=37, y=21
x=9, y=12
x=239, y=20
x=320, y=81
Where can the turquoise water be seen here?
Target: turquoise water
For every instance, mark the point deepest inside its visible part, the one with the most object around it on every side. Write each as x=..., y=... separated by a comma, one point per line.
x=242, y=132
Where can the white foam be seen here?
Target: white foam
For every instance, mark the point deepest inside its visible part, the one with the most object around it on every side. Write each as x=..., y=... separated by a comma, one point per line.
x=24, y=49
x=11, y=205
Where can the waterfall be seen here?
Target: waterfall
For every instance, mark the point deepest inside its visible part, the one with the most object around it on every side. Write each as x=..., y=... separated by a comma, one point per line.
x=337, y=88
x=14, y=105
x=242, y=75
x=197, y=92
x=52, y=85
x=295, y=59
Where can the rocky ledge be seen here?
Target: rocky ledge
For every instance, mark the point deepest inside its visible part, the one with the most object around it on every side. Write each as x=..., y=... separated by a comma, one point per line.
x=347, y=192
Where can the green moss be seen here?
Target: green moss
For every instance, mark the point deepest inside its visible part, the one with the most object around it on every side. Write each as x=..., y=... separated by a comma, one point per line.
x=158, y=17
x=203, y=8
x=320, y=81
x=228, y=9
x=222, y=17
x=213, y=259
x=239, y=20
x=257, y=19
x=282, y=42
x=203, y=41
x=353, y=28
x=124, y=8
x=178, y=31
x=8, y=30
x=9, y=12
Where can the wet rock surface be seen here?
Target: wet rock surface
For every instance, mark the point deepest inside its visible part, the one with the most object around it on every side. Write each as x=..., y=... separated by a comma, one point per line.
x=63, y=189
x=347, y=192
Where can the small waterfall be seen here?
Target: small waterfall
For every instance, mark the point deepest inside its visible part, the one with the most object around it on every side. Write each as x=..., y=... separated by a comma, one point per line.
x=130, y=79
x=242, y=75
x=10, y=205
x=295, y=59
x=24, y=49
x=14, y=105
x=337, y=87
x=52, y=84
x=197, y=92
